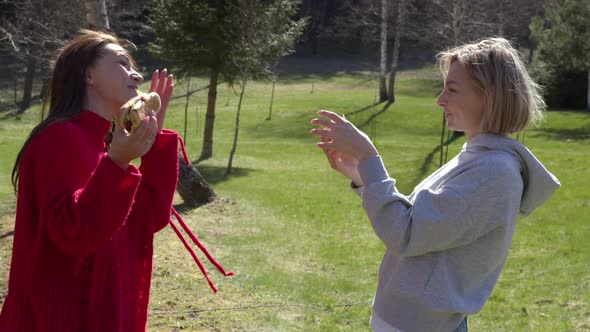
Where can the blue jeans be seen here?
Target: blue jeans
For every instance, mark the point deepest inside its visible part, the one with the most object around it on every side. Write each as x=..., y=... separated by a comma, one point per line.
x=462, y=327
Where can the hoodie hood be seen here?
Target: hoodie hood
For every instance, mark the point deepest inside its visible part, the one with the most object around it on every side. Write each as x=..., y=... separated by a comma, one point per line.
x=538, y=183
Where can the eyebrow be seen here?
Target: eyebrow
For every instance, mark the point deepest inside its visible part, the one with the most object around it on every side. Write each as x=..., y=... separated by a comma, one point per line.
x=128, y=58
x=452, y=82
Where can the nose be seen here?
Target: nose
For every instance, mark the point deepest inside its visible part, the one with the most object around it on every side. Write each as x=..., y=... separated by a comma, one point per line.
x=442, y=99
x=136, y=77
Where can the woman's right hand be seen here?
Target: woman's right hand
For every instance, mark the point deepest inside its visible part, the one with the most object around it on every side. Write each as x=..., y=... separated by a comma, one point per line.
x=126, y=147
x=342, y=136
x=346, y=165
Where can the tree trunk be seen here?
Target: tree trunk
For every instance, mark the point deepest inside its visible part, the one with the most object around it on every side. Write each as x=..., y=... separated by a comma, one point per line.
x=91, y=13
x=15, y=89
x=501, y=18
x=96, y=14
x=314, y=36
x=28, y=84
x=237, y=129
x=188, y=97
x=207, y=151
x=458, y=17
x=272, y=98
x=383, y=54
x=319, y=11
x=192, y=187
x=396, y=47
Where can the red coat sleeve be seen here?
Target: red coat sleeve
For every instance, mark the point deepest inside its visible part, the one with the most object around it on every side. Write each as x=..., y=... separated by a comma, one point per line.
x=83, y=196
x=159, y=169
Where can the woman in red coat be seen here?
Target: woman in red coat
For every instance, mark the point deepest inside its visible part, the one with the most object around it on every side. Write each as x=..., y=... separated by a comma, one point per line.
x=86, y=217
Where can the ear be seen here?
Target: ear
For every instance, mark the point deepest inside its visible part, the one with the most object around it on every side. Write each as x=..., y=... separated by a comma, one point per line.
x=89, y=77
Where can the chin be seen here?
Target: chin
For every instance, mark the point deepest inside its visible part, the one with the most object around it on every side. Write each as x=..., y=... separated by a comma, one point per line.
x=131, y=94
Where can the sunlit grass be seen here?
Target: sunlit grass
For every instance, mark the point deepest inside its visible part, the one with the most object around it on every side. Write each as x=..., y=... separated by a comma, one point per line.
x=304, y=254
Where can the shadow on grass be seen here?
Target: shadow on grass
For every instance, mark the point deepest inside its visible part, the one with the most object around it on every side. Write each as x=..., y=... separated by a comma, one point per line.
x=5, y=235
x=366, y=108
x=11, y=109
x=319, y=77
x=420, y=88
x=216, y=174
x=8, y=108
x=299, y=125
x=375, y=115
x=183, y=208
x=429, y=157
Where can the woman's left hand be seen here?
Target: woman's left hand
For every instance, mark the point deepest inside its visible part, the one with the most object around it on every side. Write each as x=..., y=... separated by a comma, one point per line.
x=163, y=85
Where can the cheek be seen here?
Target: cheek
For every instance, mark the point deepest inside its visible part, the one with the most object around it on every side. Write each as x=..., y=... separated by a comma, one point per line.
x=478, y=110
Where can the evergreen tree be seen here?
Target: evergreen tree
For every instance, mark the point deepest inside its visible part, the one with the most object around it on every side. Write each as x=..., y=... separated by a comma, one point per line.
x=563, y=38
x=208, y=36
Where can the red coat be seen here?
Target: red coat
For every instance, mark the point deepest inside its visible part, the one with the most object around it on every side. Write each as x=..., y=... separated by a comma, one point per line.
x=83, y=240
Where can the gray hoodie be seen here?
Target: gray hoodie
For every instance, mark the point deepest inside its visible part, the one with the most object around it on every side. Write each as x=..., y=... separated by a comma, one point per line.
x=448, y=241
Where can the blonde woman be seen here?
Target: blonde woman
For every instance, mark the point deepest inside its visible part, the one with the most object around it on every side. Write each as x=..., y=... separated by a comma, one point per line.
x=446, y=242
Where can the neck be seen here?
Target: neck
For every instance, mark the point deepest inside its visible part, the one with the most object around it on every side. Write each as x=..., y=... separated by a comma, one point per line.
x=471, y=135
x=98, y=105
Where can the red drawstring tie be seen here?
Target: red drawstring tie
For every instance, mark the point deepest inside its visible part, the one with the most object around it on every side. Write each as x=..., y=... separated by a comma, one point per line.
x=183, y=151
x=194, y=238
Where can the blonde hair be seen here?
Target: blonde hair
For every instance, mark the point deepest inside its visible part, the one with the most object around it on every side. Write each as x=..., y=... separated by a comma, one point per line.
x=513, y=100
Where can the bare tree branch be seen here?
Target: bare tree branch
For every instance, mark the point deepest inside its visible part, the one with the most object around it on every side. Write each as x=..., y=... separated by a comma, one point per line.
x=8, y=35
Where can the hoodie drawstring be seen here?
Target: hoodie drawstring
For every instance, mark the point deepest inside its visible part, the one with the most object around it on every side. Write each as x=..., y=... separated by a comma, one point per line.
x=194, y=238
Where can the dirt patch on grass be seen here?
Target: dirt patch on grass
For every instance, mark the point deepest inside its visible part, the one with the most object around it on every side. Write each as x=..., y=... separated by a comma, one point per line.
x=6, y=237
x=181, y=298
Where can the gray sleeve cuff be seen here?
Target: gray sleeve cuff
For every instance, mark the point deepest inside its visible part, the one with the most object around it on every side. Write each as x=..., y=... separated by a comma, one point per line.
x=372, y=170
x=359, y=190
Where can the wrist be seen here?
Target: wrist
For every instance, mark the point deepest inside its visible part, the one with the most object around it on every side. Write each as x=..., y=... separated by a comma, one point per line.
x=367, y=154
x=355, y=185
x=121, y=163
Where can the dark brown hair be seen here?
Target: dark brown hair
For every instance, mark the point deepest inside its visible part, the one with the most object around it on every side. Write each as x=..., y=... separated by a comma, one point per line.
x=66, y=92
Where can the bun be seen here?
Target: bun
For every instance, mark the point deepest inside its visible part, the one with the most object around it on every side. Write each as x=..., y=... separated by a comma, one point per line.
x=136, y=109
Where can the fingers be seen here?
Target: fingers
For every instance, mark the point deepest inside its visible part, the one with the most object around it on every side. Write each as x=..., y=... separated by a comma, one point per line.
x=322, y=122
x=163, y=85
x=154, y=81
x=323, y=133
x=153, y=127
x=151, y=130
x=325, y=144
x=145, y=135
x=162, y=81
x=330, y=156
x=118, y=131
x=167, y=91
x=333, y=116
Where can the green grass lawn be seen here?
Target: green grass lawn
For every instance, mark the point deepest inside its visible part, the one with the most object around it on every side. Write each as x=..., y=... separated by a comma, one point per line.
x=304, y=254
